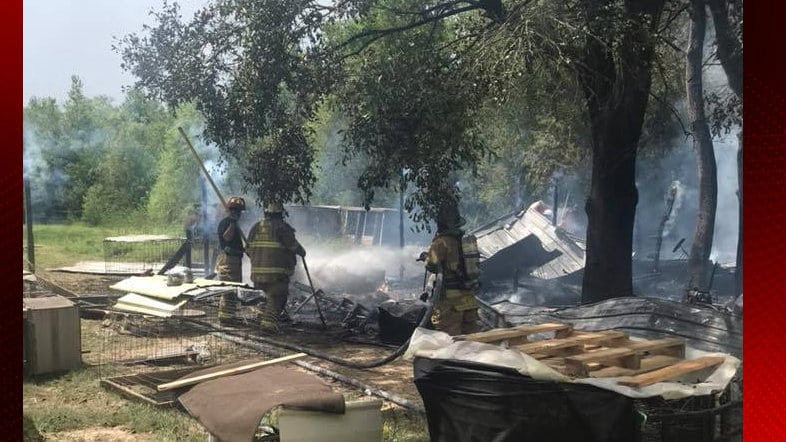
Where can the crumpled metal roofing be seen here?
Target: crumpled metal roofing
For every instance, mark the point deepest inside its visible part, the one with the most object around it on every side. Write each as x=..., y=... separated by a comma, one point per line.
x=149, y=306
x=559, y=254
x=156, y=286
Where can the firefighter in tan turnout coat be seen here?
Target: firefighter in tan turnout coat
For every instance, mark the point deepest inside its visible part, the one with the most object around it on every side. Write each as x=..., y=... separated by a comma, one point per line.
x=455, y=308
x=273, y=248
x=229, y=265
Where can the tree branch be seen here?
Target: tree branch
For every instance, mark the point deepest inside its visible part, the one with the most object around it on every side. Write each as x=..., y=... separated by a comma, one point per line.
x=376, y=33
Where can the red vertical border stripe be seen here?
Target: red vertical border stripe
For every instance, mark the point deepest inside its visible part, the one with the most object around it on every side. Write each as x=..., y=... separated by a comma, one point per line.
x=11, y=221
x=764, y=190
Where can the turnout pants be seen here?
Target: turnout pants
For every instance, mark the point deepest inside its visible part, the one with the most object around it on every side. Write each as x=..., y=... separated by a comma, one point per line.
x=276, y=293
x=456, y=313
x=229, y=268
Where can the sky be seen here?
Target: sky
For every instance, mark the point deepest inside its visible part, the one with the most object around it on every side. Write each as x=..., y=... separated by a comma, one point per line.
x=62, y=38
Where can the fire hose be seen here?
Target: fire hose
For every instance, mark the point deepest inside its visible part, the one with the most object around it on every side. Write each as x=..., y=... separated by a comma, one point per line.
x=331, y=358
x=369, y=389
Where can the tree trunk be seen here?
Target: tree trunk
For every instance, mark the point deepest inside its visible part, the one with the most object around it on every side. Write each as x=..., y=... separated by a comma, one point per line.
x=616, y=79
x=698, y=263
x=738, y=266
x=729, y=48
x=730, y=55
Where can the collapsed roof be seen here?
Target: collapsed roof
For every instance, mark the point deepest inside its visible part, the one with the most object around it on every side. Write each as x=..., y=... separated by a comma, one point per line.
x=526, y=241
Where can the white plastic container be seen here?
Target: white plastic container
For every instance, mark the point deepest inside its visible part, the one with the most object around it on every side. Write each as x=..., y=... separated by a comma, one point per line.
x=362, y=422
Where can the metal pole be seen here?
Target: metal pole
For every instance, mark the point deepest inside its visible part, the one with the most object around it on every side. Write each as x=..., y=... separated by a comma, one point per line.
x=363, y=234
x=313, y=292
x=556, y=203
x=29, y=224
x=381, y=228
x=205, y=233
x=401, y=225
x=207, y=175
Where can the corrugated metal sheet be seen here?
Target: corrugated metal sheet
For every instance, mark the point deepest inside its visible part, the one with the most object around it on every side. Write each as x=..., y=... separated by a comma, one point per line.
x=155, y=286
x=133, y=302
x=46, y=303
x=552, y=252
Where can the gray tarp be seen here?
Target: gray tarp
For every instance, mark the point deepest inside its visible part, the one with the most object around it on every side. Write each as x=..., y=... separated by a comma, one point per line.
x=705, y=328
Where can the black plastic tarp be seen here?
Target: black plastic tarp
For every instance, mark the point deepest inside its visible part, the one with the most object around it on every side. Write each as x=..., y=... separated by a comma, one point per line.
x=469, y=402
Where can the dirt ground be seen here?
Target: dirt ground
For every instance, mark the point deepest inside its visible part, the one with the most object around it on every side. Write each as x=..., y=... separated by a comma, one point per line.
x=394, y=378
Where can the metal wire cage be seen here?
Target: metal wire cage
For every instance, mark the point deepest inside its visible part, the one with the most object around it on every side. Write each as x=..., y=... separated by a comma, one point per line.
x=139, y=253
x=138, y=352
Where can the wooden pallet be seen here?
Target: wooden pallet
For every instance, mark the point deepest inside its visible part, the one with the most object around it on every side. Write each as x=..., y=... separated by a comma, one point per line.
x=602, y=354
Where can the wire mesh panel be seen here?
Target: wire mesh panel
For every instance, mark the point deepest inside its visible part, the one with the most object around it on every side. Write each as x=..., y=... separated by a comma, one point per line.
x=140, y=351
x=139, y=253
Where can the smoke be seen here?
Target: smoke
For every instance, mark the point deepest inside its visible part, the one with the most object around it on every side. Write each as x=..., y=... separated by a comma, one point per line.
x=678, y=168
x=47, y=183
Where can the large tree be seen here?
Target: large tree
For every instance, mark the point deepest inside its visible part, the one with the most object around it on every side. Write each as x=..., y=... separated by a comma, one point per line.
x=702, y=143
x=238, y=58
x=727, y=20
x=244, y=65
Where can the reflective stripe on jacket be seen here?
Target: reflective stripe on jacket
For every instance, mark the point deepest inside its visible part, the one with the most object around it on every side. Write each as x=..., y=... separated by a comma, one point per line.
x=443, y=257
x=271, y=259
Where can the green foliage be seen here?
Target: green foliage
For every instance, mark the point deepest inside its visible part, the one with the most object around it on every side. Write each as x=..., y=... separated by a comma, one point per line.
x=177, y=173
x=63, y=148
x=409, y=113
x=242, y=63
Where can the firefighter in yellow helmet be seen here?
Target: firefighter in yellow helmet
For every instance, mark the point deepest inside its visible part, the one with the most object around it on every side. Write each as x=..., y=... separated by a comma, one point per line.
x=455, y=308
x=272, y=248
x=229, y=265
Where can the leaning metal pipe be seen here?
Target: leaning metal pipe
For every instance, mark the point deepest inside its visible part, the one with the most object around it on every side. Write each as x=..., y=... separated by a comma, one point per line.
x=207, y=175
x=369, y=389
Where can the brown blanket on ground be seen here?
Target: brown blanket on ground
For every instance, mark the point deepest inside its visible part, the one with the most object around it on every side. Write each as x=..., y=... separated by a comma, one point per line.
x=231, y=407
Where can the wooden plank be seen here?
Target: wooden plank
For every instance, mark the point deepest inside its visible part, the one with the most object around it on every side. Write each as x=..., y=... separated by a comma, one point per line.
x=578, y=365
x=228, y=372
x=672, y=371
x=648, y=363
x=501, y=334
x=550, y=346
x=131, y=394
x=666, y=346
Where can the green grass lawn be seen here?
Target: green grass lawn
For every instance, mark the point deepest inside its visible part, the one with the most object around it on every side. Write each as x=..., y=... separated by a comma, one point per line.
x=65, y=244
x=74, y=407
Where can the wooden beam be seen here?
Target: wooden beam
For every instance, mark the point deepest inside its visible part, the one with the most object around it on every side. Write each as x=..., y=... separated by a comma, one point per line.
x=624, y=357
x=648, y=363
x=671, y=372
x=549, y=346
x=228, y=372
x=666, y=346
x=521, y=331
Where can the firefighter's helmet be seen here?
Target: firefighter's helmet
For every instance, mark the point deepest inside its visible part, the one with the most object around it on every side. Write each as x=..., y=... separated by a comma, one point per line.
x=236, y=203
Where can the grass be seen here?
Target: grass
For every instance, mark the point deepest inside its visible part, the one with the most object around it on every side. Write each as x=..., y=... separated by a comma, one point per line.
x=74, y=406
x=400, y=425
x=76, y=401
x=59, y=244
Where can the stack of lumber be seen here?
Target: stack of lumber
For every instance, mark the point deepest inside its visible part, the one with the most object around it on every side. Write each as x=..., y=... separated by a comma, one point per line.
x=603, y=354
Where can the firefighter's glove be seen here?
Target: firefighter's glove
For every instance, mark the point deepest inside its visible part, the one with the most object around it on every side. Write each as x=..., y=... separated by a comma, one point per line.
x=424, y=296
x=422, y=257
x=301, y=251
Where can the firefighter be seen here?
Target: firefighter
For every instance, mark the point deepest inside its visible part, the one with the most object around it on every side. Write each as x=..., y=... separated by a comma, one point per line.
x=229, y=265
x=272, y=248
x=455, y=308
